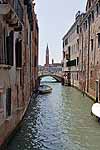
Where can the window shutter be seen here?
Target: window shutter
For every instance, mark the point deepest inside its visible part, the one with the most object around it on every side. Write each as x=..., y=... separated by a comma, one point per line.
x=18, y=50
x=8, y=102
x=9, y=47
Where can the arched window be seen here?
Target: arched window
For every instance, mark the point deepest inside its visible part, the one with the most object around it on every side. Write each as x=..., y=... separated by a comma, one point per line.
x=18, y=52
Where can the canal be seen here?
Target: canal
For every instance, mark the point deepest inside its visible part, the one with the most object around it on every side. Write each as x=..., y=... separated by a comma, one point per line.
x=60, y=120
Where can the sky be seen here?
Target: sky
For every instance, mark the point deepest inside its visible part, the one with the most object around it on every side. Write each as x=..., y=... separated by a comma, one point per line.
x=55, y=17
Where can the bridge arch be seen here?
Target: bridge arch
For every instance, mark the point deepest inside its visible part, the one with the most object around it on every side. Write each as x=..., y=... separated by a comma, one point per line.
x=56, y=77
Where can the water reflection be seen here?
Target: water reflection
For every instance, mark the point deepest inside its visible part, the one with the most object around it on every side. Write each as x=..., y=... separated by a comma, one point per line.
x=48, y=79
x=60, y=120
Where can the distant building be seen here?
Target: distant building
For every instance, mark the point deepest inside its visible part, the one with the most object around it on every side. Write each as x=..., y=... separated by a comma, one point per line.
x=54, y=67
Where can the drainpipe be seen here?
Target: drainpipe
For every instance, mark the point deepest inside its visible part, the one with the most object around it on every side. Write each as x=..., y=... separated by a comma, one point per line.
x=88, y=69
x=83, y=80
x=97, y=91
x=30, y=47
x=69, y=69
x=82, y=51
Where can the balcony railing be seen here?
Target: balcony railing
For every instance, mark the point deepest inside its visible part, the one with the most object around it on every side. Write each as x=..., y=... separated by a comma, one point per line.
x=71, y=63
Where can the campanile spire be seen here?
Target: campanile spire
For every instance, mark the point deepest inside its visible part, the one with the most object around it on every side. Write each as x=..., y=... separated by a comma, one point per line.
x=47, y=56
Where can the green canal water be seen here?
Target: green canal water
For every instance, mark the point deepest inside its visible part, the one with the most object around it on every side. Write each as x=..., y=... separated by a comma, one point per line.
x=60, y=120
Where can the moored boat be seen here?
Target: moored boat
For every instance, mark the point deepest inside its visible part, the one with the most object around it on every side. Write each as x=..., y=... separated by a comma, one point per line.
x=44, y=89
x=96, y=110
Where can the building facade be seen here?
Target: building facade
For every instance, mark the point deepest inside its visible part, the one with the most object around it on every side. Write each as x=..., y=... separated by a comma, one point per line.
x=35, y=49
x=17, y=53
x=71, y=52
x=86, y=52
x=89, y=48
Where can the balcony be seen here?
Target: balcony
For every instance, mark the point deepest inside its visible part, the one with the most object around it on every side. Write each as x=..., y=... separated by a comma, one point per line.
x=71, y=63
x=12, y=8
x=4, y=8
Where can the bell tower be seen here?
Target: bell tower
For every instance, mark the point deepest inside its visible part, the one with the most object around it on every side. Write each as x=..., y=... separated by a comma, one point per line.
x=47, y=57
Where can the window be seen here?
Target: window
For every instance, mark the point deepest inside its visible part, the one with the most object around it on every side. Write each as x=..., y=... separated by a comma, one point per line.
x=77, y=60
x=98, y=40
x=69, y=51
x=84, y=27
x=67, y=56
x=66, y=41
x=8, y=102
x=80, y=29
x=3, y=54
x=9, y=48
x=86, y=24
x=63, y=44
x=35, y=61
x=89, y=4
x=63, y=54
x=97, y=9
x=78, y=44
x=77, y=75
x=17, y=96
x=91, y=44
x=91, y=74
x=99, y=2
x=77, y=29
x=89, y=19
x=6, y=47
x=0, y=100
x=92, y=14
x=18, y=50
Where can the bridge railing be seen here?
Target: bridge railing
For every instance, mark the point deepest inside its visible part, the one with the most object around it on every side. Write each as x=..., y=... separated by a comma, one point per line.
x=42, y=73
